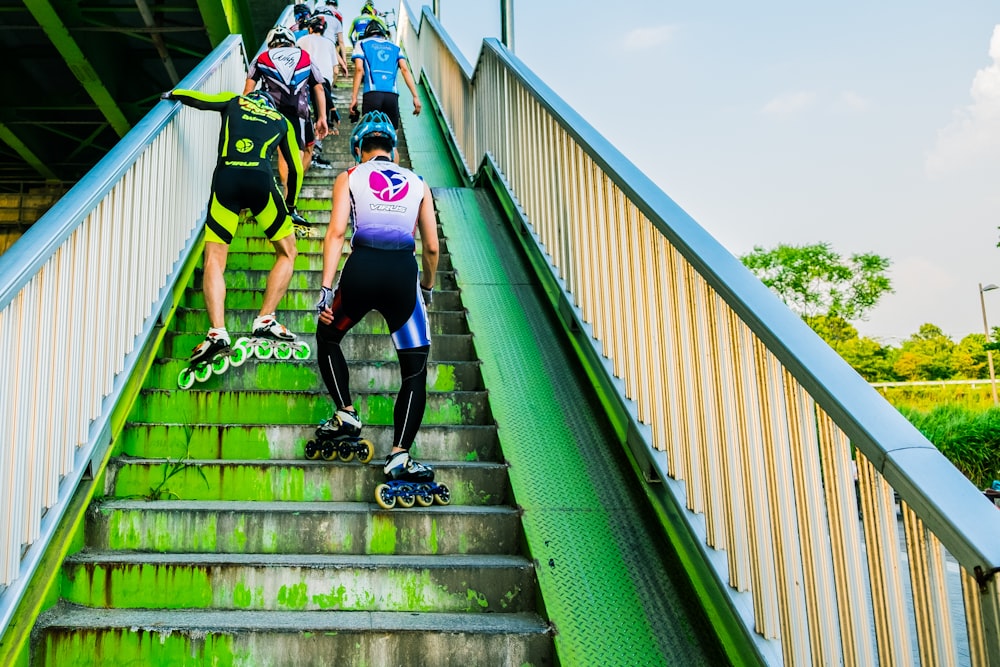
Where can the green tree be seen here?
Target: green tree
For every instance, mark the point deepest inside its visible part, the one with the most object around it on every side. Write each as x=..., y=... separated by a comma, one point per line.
x=969, y=358
x=815, y=280
x=926, y=355
x=867, y=356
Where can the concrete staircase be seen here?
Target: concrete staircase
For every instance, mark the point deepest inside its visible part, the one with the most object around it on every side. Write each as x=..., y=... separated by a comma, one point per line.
x=218, y=543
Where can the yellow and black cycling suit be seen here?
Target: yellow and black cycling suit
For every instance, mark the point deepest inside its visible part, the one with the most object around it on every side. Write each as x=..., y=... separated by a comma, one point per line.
x=244, y=177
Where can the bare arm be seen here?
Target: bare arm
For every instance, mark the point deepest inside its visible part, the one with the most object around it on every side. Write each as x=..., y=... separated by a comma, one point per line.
x=408, y=78
x=429, y=247
x=333, y=244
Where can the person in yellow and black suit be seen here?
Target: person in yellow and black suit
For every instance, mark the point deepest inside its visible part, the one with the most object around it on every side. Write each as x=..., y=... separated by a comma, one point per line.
x=252, y=131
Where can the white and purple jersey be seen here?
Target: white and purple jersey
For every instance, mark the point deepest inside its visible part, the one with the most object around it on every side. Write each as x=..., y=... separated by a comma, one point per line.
x=385, y=204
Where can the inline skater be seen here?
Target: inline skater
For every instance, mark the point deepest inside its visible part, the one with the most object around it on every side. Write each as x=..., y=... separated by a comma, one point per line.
x=376, y=62
x=253, y=130
x=389, y=205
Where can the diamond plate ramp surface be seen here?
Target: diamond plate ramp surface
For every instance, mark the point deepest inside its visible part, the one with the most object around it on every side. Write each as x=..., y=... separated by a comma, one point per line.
x=604, y=570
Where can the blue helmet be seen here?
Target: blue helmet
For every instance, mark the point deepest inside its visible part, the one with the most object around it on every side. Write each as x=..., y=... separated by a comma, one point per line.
x=261, y=98
x=372, y=123
x=300, y=12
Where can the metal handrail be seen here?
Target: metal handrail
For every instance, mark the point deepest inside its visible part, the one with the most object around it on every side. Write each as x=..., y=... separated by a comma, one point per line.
x=783, y=458
x=80, y=292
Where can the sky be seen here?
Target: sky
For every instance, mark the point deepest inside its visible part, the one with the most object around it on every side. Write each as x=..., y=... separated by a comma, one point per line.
x=874, y=127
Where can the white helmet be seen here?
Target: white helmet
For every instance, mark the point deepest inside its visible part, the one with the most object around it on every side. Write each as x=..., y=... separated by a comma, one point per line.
x=280, y=35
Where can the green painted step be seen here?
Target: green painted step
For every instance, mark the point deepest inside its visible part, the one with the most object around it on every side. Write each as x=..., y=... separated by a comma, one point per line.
x=304, y=321
x=287, y=481
x=471, y=584
x=236, y=280
x=302, y=299
x=227, y=442
x=205, y=404
x=301, y=527
x=372, y=347
x=69, y=638
x=255, y=374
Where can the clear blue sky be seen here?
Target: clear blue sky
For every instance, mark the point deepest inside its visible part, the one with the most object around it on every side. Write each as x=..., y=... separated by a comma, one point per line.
x=872, y=126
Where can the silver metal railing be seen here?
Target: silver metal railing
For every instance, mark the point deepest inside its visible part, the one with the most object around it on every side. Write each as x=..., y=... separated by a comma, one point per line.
x=838, y=532
x=79, y=294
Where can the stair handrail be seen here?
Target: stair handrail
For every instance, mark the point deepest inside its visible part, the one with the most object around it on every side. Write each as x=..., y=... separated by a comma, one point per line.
x=806, y=494
x=80, y=292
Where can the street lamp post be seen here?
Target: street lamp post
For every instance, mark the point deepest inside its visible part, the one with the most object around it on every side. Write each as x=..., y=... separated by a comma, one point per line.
x=986, y=328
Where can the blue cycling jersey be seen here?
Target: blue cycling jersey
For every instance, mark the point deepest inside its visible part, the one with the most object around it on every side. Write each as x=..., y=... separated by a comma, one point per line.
x=381, y=61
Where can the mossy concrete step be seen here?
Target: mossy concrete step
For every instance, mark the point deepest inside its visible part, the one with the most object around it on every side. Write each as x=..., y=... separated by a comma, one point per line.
x=69, y=635
x=288, y=441
x=206, y=404
x=237, y=280
x=467, y=584
x=303, y=299
x=303, y=321
x=185, y=526
x=256, y=375
x=304, y=261
x=312, y=244
x=289, y=481
x=372, y=347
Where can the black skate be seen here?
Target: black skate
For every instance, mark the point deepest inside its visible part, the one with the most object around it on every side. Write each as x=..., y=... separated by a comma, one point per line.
x=409, y=482
x=338, y=437
x=211, y=356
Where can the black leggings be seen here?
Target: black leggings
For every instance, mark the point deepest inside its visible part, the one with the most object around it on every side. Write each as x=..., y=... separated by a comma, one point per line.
x=385, y=281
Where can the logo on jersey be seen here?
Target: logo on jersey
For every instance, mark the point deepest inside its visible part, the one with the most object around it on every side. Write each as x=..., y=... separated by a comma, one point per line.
x=244, y=145
x=388, y=185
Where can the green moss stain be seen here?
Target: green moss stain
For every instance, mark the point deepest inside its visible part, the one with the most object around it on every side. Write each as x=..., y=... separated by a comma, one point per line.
x=432, y=538
x=242, y=596
x=445, y=378
x=293, y=597
x=476, y=599
x=335, y=600
x=383, y=534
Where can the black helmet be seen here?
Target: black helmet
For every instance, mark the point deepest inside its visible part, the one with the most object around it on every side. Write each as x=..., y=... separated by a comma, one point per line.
x=261, y=98
x=317, y=24
x=300, y=12
x=375, y=27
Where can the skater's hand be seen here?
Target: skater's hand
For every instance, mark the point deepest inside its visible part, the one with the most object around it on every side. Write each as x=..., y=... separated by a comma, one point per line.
x=427, y=294
x=168, y=95
x=325, y=300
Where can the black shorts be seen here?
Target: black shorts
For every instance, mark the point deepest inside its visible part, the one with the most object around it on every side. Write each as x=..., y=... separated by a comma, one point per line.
x=235, y=189
x=387, y=103
x=304, y=133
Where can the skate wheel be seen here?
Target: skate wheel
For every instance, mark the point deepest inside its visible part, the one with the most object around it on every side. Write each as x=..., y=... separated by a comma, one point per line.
x=263, y=350
x=283, y=351
x=368, y=454
x=329, y=452
x=185, y=379
x=301, y=351
x=345, y=453
x=203, y=372
x=238, y=355
x=424, y=496
x=313, y=450
x=220, y=364
x=443, y=495
x=406, y=497
x=384, y=497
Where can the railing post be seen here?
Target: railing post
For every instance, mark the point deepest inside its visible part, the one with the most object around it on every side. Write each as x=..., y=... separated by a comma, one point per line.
x=436, y=8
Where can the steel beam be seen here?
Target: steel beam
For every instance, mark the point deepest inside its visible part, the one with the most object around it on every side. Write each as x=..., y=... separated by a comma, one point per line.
x=59, y=35
x=11, y=140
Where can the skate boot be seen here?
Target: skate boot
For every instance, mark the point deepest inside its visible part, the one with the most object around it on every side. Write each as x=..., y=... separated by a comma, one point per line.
x=409, y=482
x=269, y=338
x=338, y=437
x=214, y=355
x=303, y=228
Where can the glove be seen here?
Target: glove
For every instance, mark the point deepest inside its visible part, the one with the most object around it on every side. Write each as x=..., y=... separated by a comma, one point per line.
x=169, y=95
x=427, y=294
x=355, y=114
x=325, y=299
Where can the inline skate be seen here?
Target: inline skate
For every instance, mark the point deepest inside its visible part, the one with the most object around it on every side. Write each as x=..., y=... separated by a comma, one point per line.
x=338, y=437
x=303, y=228
x=212, y=356
x=269, y=338
x=409, y=482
